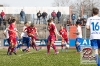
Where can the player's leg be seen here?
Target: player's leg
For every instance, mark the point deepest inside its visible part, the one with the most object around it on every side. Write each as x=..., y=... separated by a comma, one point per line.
x=98, y=52
x=77, y=44
x=94, y=44
x=9, y=48
x=67, y=44
x=62, y=45
x=53, y=38
x=48, y=45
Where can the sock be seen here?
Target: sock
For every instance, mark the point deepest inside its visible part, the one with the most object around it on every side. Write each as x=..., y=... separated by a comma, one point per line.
x=34, y=45
x=97, y=60
x=48, y=48
x=79, y=48
x=54, y=47
x=62, y=46
x=15, y=49
x=12, y=50
x=9, y=48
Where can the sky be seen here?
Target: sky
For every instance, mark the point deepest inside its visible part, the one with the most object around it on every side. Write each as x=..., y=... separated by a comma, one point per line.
x=28, y=3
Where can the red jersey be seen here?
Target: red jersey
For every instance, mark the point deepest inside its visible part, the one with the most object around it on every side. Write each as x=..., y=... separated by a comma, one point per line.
x=2, y=14
x=63, y=33
x=51, y=29
x=31, y=30
x=12, y=33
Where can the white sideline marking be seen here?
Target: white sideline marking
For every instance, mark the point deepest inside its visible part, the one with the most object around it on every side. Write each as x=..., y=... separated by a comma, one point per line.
x=25, y=53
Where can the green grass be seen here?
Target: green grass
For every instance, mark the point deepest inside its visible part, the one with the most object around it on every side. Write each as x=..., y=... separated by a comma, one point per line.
x=41, y=59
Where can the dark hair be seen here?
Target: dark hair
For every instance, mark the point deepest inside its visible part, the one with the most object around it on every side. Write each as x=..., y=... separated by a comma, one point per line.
x=32, y=25
x=12, y=21
x=95, y=11
x=25, y=23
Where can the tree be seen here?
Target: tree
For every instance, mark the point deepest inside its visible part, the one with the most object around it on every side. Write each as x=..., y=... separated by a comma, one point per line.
x=79, y=5
x=59, y=3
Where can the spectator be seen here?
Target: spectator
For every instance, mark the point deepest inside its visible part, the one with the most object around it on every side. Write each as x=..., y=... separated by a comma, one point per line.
x=22, y=15
x=84, y=22
x=58, y=15
x=79, y=20
x=2, y=15
x=68, y=22
x=53, y=14
x=38, y=16
x=0, y=21
x=44, y=16
x=9, y=20
x=4, y=23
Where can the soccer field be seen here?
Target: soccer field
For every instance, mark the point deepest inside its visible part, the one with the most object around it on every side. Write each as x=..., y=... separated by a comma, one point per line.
x=39, y=58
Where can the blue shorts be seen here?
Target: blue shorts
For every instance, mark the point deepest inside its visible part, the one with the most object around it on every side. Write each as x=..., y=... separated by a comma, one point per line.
x=95, y=43
x=26, y=39
x=78, y=40
x=8, y=41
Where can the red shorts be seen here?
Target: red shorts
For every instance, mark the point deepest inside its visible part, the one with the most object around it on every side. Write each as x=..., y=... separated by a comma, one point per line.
x=51, y=38
x=66, y=39
x=34, y=37
x=13, y=40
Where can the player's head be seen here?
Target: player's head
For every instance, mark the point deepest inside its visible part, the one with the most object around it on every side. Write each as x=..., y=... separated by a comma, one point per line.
x=95, y=11
x=32, y=25
x=13, y=21
x=49, y=21
x=78, y=23
x=61, y=27
x=26, y=24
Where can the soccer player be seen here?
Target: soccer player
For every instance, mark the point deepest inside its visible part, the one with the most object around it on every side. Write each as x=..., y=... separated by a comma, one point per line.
x=79, y=37
x=52, y=37
x=25, y=37
x=93, y=23
x=12, y=36
x=32, y=32
x=7, y=38
x=64, y=35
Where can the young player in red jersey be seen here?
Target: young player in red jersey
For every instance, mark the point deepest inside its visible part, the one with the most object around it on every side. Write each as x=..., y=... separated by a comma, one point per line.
x=52, y=37
x=64, y=35
x=32, y=32
x=12, y=36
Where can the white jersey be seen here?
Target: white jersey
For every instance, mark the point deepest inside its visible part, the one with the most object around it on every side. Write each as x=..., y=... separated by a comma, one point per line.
x=79, y=30
x=6, y=31
x=94, y=23
x=24, y=34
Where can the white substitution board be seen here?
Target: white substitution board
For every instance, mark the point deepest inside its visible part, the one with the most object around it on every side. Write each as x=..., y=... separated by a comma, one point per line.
x=34, y=10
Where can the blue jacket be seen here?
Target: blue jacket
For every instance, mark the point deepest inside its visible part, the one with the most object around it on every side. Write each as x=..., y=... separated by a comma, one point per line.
x=22, y=13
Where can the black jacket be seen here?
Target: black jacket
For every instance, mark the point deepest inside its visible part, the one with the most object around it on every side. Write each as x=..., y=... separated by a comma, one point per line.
x=44, y=14
x=58, y=14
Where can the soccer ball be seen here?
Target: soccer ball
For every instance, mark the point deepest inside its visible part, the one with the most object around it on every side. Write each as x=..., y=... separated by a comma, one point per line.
x=67, y=46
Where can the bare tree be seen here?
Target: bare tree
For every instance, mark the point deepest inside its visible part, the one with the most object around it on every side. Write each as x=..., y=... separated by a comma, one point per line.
x=59, y=3
x=78, y=5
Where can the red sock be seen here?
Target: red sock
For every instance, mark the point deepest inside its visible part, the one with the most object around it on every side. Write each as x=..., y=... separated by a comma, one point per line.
x=48, y=48
x=12, y=50
x=34, y=45
x=62, y=46
x=9, y=48
x=54, y=47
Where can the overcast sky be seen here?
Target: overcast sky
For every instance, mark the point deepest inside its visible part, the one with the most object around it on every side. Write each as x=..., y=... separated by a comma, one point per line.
x=21, y=3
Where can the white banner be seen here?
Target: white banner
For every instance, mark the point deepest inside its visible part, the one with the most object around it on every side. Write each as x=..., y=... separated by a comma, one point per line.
x=34, y=10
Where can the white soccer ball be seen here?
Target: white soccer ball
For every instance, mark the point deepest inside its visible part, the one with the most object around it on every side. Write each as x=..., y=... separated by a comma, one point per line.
x=67, y=46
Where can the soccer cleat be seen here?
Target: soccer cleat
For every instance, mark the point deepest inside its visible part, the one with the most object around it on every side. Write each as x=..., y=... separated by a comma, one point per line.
x=15, y=53
x=23, y=50
x=62, y=50
x=56, y=52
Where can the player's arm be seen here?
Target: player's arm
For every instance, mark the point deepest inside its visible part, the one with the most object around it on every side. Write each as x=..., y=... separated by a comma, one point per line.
x=4, y=33
x=36, y=32
x=88, y=24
